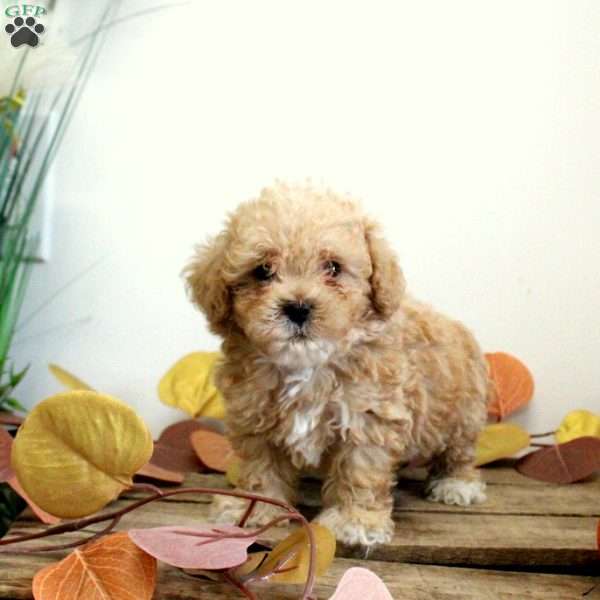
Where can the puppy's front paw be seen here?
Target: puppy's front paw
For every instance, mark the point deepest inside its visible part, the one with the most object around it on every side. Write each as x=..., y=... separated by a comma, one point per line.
x=227, y=509
x=358, y=527
x=456, y=491
x=264, y=513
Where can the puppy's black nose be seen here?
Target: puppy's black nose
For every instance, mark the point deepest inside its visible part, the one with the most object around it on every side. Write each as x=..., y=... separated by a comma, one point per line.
x=297, y=312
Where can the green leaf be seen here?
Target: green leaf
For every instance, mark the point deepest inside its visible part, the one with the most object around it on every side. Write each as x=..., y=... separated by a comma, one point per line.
x=14, y=404
x=16, y=378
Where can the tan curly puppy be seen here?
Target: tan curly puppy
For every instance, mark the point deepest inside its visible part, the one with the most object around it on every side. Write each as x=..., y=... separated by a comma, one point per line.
x=330, y=366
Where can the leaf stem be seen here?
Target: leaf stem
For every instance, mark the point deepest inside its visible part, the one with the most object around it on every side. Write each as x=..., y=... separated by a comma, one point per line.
x=541, y=435
x=247, y=514
x=291, y=514
x=230, y=578
x=91, y=538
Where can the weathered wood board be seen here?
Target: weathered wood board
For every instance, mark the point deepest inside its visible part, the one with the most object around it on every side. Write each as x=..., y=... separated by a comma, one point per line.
x=530, y=540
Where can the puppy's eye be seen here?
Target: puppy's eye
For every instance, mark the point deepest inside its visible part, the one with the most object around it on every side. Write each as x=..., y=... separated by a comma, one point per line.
x=263, y=272
x=333, y=268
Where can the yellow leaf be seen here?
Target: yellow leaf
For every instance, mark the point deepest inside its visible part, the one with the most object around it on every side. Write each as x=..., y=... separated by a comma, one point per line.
x=233, y=472
x=68, y=379
x=254, y=561
x=188, y=385
x=76, y=451
x=500, y=440
x=576, y=424
x=292, y=555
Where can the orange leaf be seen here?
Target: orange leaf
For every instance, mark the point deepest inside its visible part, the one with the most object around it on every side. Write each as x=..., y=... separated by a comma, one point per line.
x=111, y=568
x=513, y=384
x=213, y=449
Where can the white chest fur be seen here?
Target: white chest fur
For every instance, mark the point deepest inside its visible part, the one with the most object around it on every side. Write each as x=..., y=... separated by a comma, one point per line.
x=304, y=437
x=312, y=418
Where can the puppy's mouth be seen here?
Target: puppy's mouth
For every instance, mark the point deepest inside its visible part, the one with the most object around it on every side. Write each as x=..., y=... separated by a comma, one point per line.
x=299, y=335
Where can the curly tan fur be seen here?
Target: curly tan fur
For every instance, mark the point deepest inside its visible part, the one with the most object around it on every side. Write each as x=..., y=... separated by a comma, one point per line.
x=373, y=379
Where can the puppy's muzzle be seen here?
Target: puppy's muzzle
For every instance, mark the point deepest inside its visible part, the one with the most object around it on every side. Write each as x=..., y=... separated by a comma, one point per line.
x=297, y=312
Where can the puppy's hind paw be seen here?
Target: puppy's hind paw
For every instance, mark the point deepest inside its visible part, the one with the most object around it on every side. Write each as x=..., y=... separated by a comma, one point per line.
x=456, y=491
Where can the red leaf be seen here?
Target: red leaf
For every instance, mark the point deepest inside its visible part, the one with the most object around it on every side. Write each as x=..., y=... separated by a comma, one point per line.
x=213, y=449
x=111, y=568
x=563, y=463
x=151, y=471
x=513, y=384
x=361, y=584
x=173, y=450
x=6, y=441
x=195, y=547
x=10, y=418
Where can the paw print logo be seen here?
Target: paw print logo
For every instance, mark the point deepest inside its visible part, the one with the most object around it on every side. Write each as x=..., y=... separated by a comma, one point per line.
x=24, y=31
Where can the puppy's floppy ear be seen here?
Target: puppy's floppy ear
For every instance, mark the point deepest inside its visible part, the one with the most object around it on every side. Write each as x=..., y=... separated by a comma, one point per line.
x=206, y=285
x=387, y=281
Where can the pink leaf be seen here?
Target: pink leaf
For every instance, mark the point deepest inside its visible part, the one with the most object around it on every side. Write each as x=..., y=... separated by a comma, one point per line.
x=6, y=441
x=205, y=547
x=361, y=584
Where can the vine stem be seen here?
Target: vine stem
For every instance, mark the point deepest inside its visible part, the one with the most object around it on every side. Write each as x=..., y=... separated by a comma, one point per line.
x=230, y=578
x=247, y=514
x=157, y=494
x=541, y=435
x=91, y=538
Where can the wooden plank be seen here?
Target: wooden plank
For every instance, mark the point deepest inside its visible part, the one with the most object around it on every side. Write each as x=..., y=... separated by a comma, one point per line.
x=577, y=499
x=500, y=472
x=438, y=538
x=557, y=500
x=405, y=581
x=534, y=526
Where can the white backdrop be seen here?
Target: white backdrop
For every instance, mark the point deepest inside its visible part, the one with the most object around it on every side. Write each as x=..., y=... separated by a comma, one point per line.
x=471, y=128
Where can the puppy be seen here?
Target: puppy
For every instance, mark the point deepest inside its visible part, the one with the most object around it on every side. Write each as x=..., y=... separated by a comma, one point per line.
x=329, y=365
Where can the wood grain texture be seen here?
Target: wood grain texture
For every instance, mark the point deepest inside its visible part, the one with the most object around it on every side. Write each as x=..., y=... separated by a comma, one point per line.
x=406, y=582
x=532, y=526
x=509, y=493
x=436, y=537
